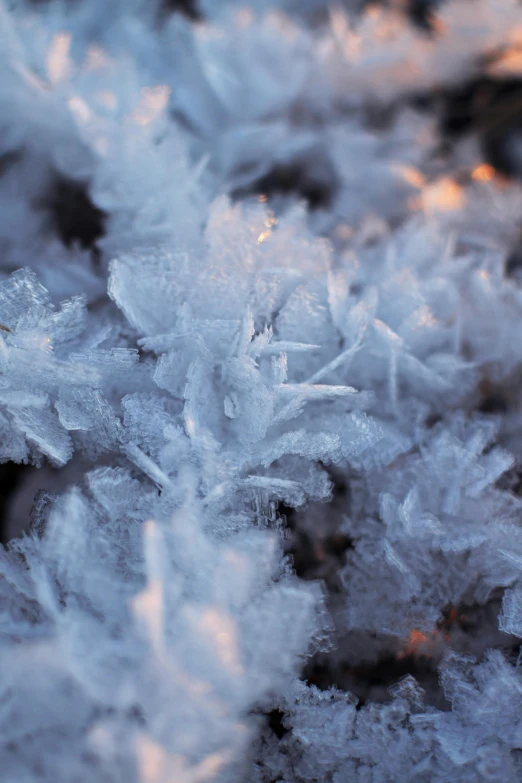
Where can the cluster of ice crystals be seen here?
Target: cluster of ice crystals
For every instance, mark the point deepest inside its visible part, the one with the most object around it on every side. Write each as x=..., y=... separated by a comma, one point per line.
x=206, y=355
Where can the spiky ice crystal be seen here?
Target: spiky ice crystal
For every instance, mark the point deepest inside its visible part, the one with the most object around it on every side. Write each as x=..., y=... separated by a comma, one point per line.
x=219, y=358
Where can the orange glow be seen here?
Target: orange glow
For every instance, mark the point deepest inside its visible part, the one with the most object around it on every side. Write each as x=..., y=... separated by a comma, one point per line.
x=384, y=25
x=372, y=12
x=438, y=26
x=350, y=41
x=270, y=222
x=453, y=618
x=415, y=644
x=410, y=174
x=421, y=644
x=483, y=173
x=263, y=236
x=508, y=64
x=443, y=195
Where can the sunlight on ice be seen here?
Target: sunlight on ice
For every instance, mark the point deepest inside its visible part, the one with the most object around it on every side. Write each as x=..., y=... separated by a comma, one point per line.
x=508, y=64
x=443, y=195
x=263, y=236
x=153, y=102
x=409, y=174
x=148, y=606
x=483, y=173
x=156, y=765
x=58, y=62
x=221, y=630
x=79, y=110
x=96, y=58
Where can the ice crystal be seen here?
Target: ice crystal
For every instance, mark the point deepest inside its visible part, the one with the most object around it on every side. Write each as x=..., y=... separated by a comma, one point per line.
x=260, y=341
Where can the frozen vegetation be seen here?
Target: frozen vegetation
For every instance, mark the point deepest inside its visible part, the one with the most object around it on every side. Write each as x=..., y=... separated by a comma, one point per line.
x=261, y=341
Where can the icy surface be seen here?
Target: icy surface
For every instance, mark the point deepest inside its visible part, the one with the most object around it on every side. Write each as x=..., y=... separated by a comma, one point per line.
x=199, y=362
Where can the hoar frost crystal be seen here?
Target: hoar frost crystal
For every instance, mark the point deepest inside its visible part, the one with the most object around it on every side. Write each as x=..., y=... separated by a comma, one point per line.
x=276, y=513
